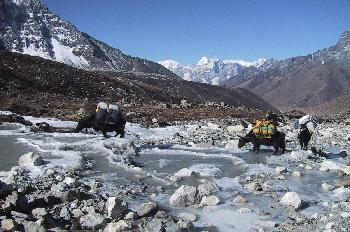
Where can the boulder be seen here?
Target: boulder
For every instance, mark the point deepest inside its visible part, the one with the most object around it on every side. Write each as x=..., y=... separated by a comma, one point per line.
x=92, y=221
x=118, y=226
x=188, y=217
x=64, y=214
x=185, y=195
x=39, y=213
x=299, y=155
x=235, y=129
x=115, y=207
x=9, y=225
x=281, y=170
x=327, y=187
x=213, y=125
x=296, y=173
x=30, y=226
x=161, y=214
x=327, y=165
x=209, y=201
x=239, y=200
x=130, y=216
x=291, y=199
x=146, y=208
x=69, y=181
x=207, y=188
x=30, y=160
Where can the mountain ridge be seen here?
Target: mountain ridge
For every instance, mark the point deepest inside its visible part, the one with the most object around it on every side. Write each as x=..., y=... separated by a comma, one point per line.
x=29, y=27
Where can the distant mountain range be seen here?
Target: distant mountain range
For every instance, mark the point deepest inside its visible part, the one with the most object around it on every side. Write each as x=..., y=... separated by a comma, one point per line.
x=212, y=70
x=318, y=83
x=29, y=27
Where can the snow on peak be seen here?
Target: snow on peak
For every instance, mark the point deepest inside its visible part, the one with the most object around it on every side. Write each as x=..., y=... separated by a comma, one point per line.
x=211, y=70
x=206, y=61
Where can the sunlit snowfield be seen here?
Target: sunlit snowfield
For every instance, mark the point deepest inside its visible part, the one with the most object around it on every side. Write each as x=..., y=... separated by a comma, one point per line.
x=154, y=156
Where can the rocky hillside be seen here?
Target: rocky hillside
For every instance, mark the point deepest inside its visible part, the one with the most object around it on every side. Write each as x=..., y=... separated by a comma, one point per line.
x=212, y=70
x=306, y=82
x=27, y=80
x=29, y=27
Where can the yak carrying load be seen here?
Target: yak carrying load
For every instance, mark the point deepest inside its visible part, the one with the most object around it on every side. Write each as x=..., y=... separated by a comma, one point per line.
x=264, y=128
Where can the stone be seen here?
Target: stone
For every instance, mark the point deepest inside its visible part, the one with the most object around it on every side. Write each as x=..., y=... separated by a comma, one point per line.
x=244, y=210
x=30, y=226
x=30, y=160
x=239, y=200
x=18, y=214
x=185, y=195
x=327, y=165
x=161, y=214
x=213, y=125
x=69, y=181
x=39, y=213
x=253, y=186
x=327, y=187
x=207, y=188
x=210, y=201
x=92, y=221
x=115, y=207
x=265, y=224
x=188, y=217
x=345, y=215
x=185, y=172
x=77, y=213
x=130, y=216
x=291, y=199
x=296, y=173
x=329, y=225
x=118, y=226
x=9, y=225
x=146, y=208
x=299, y=155
x=64, y=213
x=235, y=129
x=281, y=170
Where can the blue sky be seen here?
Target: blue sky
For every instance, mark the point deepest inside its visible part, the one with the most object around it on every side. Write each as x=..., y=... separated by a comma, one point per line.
x=185, y=30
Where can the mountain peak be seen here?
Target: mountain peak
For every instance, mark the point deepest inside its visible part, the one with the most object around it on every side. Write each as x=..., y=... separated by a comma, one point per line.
x=206, y=61
x=344, y=40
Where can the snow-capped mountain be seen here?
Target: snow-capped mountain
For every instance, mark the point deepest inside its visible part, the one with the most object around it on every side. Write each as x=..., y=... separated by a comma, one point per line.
x=212, y=70
x=29, y=27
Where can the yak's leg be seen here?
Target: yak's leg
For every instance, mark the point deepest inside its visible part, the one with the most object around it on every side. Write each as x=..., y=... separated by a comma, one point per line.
x=104, y=132
x=283, y=147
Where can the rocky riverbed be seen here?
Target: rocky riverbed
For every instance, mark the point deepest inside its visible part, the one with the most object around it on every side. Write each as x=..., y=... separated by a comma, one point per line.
x=186, y=177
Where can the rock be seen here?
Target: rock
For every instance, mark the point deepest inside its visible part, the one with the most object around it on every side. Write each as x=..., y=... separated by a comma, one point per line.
x=185, y=172
x=327, y=187
x=77, y=213
x=329, y=225
x=253, y=186
x=161, y=214
x=239, y=200
x=30, y=226
x=39, y=213
x=207, y=188
x=244, y=210
x=299, y=155
x=119, y=226
x=345, y=215
x=265, y=224
x=188, y=217
x=18, y=214
x=30, y=160
x=115, y=207
x=281, y=170
x=235, y=129
x=130, y=216
x=209, y=201
x=92, y=221
x=327, y=165
x=185, y=195
x=10, y=202
x=296, y=173
x=291, y=199
x=64, y=213
x=69, y=181
x=9, y=225
x=213, y=125
x=161, y=224
x=146, y=208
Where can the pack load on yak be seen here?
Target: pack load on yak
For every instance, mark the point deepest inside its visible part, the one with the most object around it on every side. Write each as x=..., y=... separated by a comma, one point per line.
x=308, y=122
x=264, y=128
